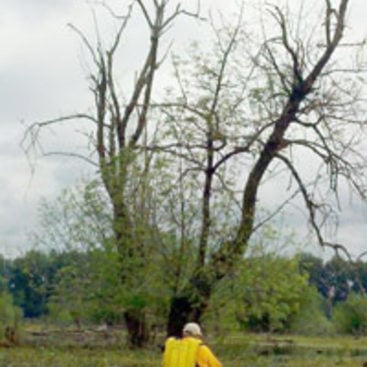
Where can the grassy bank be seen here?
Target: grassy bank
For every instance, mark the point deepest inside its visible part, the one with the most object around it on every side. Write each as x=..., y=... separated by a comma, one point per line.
x=234, y=351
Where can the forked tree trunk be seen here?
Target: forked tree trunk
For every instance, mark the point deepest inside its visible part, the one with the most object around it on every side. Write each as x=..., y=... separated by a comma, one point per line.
x=188, y=306
x=181, y=312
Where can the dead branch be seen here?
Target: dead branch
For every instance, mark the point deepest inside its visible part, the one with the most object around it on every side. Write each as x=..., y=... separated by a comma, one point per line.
x=72, y=155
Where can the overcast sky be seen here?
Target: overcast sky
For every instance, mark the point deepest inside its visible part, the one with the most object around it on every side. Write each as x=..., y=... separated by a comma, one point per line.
x=41, y=76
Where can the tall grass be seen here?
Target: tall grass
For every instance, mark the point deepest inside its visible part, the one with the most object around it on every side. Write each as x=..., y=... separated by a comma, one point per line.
x=233, y=351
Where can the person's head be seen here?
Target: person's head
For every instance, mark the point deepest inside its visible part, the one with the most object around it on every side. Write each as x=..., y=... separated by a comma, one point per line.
x=192, y=329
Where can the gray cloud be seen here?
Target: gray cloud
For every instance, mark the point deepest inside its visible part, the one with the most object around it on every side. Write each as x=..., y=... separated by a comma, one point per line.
x=36, y=9
x=41, y=77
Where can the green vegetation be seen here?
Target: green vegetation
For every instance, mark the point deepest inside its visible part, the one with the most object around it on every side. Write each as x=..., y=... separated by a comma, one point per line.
x=351, y=316
x=268, y=293
x=163, y=234
x=171, y=228
x=236, y=350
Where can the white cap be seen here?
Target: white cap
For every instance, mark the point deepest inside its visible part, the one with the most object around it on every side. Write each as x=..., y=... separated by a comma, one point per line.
x=192, y=328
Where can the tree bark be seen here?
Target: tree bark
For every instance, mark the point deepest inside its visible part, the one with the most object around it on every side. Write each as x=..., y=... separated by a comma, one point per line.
x=184, y=309
x=137, y=328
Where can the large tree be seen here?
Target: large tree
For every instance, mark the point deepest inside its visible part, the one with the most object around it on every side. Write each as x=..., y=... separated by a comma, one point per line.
x=120, y=121
x=264, y=106
x=268, y=97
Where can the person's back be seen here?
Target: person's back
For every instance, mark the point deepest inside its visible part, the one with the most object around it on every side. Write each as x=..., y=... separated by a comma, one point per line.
x=181, y=352
x=190, y=351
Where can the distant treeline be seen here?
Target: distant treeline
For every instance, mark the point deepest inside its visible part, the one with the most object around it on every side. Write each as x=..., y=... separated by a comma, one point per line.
x=40, y=283
x=336, y=278
x=31, y=278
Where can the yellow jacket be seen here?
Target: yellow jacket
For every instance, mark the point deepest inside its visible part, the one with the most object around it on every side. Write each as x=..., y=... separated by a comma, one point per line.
x=188, y=352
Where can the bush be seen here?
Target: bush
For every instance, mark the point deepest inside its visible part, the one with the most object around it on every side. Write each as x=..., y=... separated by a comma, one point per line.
x=311, y=318
x=10, y=317
x=351, y=316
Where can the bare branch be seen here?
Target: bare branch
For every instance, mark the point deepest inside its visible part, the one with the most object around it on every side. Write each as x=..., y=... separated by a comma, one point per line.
x=329, y=12
x=86, y=43
x=121, y=29
x=282, y=76
x=334, y=41
x=72, y=155
x=337, y=247
x=145, y=12
x=178, y=11
x=310, y=205
x=243, y=149
x=77, y=116
x=275, y=212
x=226, y=53
x=296, y=65
x=360, y=256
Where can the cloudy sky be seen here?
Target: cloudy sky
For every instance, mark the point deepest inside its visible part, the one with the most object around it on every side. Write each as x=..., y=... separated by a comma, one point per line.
x=42, y=75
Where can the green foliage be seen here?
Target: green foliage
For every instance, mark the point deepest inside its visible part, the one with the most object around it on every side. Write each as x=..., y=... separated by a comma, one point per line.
x=87, y=289
x=220, y=105
x=79, y=218
x=311, y=318
x=265, y=292
x=351, y=315
x=31, y=278
x=336, y=277
x=272, y=292
x=10, y=315
x=83, y=283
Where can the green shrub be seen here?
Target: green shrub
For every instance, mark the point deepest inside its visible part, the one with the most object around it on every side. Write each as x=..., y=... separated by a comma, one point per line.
x=311, y=317
x=351, y=316
x=10, y=317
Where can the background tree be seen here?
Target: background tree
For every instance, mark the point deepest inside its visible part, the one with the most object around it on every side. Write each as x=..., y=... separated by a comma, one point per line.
x=336, y=275
x=10, y=317
x=265, y=293
x=311, y=318
x=30, y=281
x=350, y=316
x=87, y=289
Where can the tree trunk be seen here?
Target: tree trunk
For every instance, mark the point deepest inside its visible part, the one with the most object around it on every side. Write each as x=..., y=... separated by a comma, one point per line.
x=181, y=312
x=137, y=328
x=135, y=320
x=190, y=305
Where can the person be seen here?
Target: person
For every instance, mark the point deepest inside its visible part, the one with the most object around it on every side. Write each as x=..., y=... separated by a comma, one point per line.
x=190, y=350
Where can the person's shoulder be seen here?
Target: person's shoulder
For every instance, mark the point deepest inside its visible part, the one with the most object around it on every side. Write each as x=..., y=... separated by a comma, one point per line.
x=204, y=345
x=172, y=339
x=204, y=349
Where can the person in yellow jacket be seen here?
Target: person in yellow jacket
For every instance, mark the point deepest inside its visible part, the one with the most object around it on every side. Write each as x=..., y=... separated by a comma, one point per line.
x=189, y=351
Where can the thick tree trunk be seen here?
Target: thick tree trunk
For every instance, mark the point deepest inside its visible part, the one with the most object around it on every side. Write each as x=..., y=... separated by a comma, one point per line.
x=126, y=244
x=181, y=312
x=190, y=305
